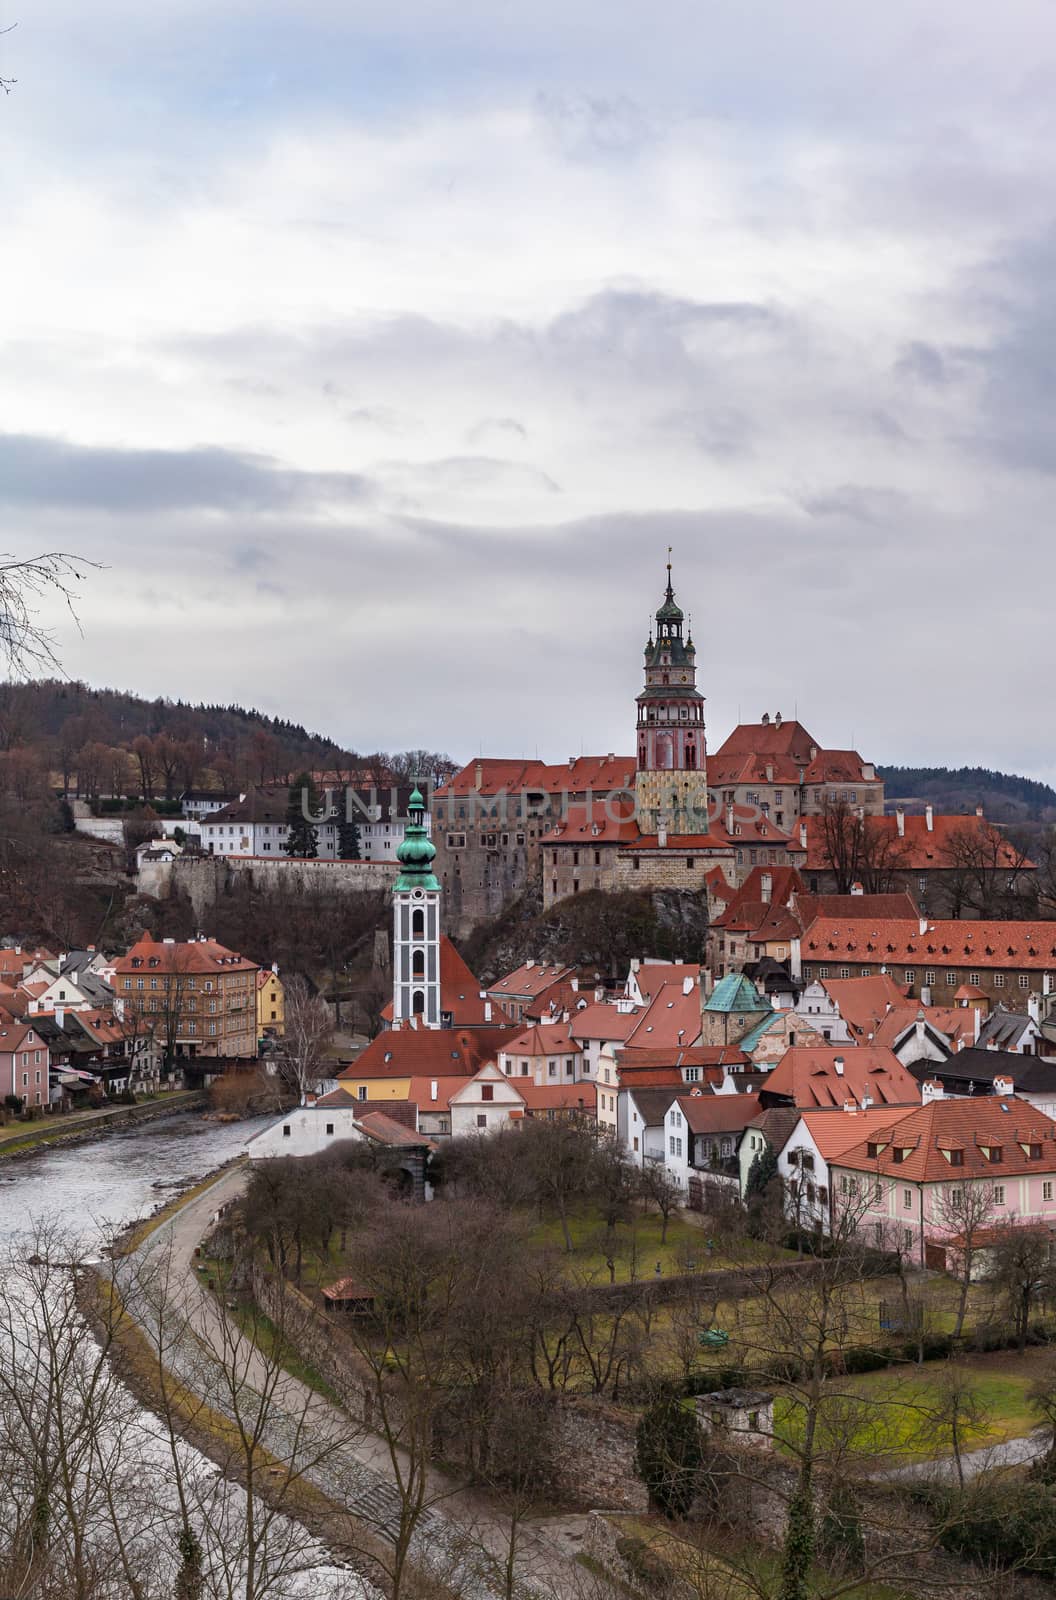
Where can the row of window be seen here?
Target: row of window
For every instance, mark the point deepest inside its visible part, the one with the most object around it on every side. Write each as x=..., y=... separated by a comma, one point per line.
x=929, y=976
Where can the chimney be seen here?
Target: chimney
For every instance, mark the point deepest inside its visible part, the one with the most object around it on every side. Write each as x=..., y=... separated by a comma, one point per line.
x=802, y=835
x=838, y=1065
x=687, y=985
x=1034, y=1008
x=636, y=963
x=433, y=1090
x=931, y=1089
x=867, y=1101
x=729, y=817
x=851, y=1107
x=487, y=1011
x=571, y=762
x=1004, y=1086
x=979, y=812
x=60, y=1016
x=777, y=720
x=769, y=772
x=765, y=719
x=478, y=775
x=275, y=968
x=661, y=836
x=813, y=752
x=900, y=821
x=529, y=964
x=923, y=926
x=929, y=815
x=977, y=1021
x=767, y=887
x=575, y=985
x=308, y=1099
x=856, y=888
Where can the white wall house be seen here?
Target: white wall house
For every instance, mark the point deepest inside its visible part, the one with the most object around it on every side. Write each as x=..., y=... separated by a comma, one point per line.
x=307, y=1130
x=488, y=1101
x=640, y=1117
x=255, y=825
x=817, y=1006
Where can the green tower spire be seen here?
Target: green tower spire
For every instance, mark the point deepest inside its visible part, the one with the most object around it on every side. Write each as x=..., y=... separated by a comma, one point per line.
x=417, y=851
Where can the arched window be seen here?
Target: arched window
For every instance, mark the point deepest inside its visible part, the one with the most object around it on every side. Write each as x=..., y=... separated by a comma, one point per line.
x=418, y=964
x=418, y=1003
x=418, y=923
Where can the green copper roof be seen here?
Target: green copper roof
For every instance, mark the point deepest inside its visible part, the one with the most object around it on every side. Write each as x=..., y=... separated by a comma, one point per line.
x=735, y=992
x=416, y=852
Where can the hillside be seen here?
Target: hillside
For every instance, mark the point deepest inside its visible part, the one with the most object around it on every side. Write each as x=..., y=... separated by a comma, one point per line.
x=106, y=741
x=1003, y=796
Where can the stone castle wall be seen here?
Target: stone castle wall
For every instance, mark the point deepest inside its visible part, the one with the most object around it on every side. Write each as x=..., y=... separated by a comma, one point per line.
x=205, y=878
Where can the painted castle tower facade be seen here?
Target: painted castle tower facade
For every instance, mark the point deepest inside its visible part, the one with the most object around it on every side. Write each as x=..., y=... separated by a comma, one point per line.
x=671, y=786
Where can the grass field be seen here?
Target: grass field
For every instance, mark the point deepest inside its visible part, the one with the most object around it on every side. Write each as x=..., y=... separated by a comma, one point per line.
x=638, y=1247
x=895, y=1416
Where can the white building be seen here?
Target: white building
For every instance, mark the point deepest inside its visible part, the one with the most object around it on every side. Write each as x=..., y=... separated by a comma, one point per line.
x=255, y=824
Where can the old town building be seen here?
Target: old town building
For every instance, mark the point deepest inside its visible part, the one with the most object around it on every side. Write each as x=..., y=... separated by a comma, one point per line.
x=198, y=997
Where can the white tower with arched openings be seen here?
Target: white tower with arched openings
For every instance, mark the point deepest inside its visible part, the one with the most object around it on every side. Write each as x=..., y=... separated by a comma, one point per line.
x=416, y=927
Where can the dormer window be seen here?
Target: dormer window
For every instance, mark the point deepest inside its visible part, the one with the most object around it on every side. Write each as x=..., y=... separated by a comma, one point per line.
x=994, y=1153
x=954, y=1157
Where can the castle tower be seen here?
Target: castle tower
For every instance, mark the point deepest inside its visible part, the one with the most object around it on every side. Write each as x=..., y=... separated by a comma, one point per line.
x=671, y=786
x=416, y=927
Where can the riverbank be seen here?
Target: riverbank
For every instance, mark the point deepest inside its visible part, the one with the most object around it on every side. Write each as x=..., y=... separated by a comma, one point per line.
x=20, y=1138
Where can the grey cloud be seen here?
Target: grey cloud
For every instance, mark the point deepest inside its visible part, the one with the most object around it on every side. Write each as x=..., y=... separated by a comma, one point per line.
x=464, y=472
x=52, y=472
x=924, y=363
x=501, y=425
x=593, y=127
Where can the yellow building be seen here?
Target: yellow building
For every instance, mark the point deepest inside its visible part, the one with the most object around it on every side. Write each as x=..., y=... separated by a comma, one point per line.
x=271, y=1003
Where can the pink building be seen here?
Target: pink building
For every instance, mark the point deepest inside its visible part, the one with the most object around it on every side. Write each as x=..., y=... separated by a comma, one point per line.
x=24, y=1061
x=900, y=1173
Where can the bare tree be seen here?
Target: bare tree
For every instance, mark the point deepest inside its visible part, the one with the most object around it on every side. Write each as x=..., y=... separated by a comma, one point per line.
x=658, y=1188
x=309, y=1030
x=985, y=872
x=1022, y=1268
x=965, y=1212
x=24, y=586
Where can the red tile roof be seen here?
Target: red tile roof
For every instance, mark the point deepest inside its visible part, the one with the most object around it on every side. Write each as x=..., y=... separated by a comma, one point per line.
x=516, y=774
x=970, y=1126
x=919, y=848
x=598, y=823
x=718, y=1113
x=386, y=1129
x=546, y=1039
x=635, y=1055
x=855, y=907
x=459, y=990
x=863, y=1002
x=528, y=981
x=428, y=1053
x=990, y=945
x=196, y=956
x=807, y=1075
x=652, y=975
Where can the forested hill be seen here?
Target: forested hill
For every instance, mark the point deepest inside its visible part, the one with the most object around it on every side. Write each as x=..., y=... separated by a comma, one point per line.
x=107, y=741
x=1003, y=796
x=42, y=711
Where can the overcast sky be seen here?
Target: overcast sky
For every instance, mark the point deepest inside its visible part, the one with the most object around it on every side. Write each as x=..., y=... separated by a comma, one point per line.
x=379, y=350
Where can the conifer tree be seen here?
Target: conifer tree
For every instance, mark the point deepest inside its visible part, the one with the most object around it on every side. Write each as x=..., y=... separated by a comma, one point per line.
x=348, y=844
x=302, y=838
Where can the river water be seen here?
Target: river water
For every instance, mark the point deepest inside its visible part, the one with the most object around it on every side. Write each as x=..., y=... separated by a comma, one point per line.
x=109, y=1181
x=90, y=1187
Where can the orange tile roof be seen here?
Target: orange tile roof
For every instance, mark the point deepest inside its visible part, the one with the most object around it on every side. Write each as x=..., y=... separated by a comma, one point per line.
x=990, y=945
x=698, y=1055
x=856, y=907
x=837, y=1131
x=864, y=1001
x=965, y=1125
x=595, y=824
x=807, y=1076
x=555, y=1096
x=953, y=1022
x=604, y=1021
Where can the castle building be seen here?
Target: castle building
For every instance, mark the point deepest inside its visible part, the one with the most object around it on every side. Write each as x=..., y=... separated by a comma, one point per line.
x=671, y=784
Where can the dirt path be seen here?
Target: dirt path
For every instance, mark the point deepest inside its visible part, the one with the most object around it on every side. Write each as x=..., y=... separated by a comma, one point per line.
x=366, y=1480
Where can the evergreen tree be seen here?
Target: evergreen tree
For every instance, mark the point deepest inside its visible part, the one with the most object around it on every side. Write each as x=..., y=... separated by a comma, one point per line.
x=762, y=1170
x=669, y=1456
x=302, y=839
x=348, y=847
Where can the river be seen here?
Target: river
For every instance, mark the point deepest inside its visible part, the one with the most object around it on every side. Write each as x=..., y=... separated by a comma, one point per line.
x=109, y=1181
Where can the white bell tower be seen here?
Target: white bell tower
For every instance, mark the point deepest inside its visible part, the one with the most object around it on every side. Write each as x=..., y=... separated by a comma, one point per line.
x=416, y=927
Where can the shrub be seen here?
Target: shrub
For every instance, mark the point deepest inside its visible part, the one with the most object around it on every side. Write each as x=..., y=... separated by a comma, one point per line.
x=862, y=1358
x=1011, y=1524
x=669, y=1456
